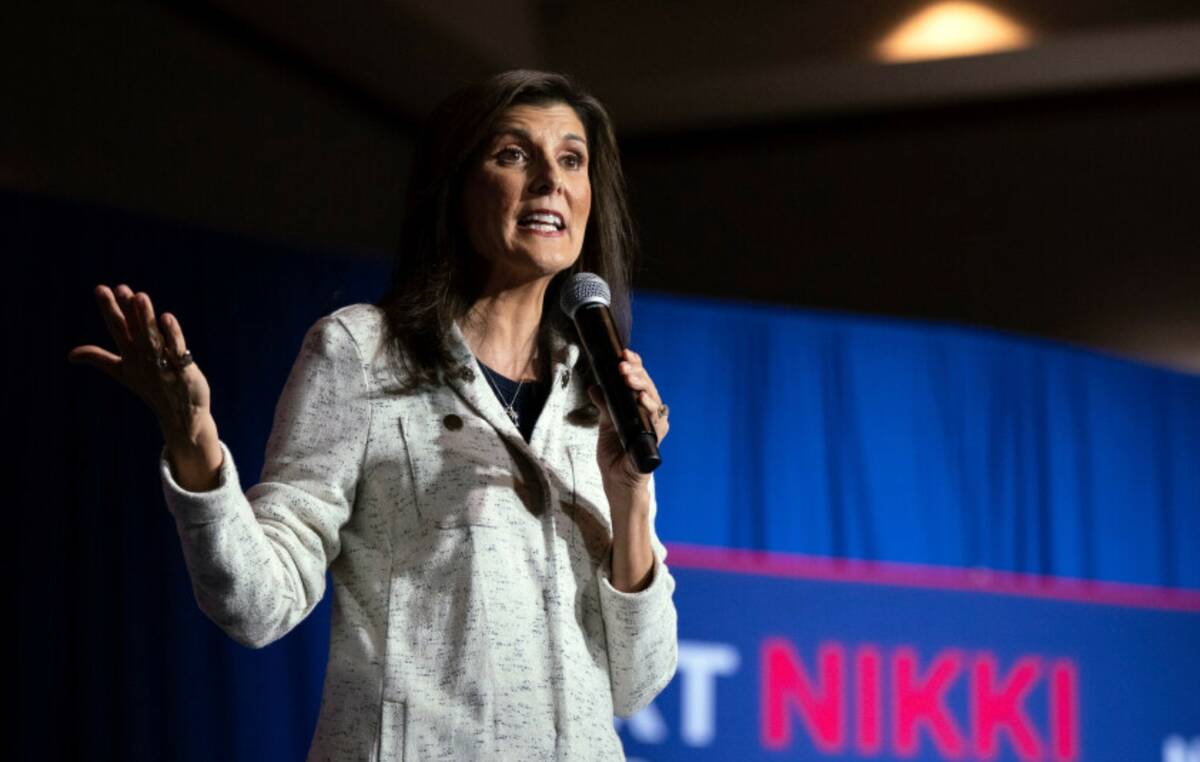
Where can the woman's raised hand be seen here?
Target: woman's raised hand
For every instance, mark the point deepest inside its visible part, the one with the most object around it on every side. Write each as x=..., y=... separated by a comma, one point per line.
x=178, y=396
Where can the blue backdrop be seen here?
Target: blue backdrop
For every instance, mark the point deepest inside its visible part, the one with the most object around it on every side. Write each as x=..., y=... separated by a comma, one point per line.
x=805, y=434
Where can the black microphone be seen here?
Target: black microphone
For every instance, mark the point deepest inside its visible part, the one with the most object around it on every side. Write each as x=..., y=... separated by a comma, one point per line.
x=585, y=298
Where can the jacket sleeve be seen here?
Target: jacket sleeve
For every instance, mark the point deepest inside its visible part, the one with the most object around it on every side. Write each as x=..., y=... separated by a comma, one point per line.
x=641, y=630
x=257, y=560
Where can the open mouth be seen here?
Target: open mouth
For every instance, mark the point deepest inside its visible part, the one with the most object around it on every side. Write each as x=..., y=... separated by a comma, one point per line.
x=542, y=222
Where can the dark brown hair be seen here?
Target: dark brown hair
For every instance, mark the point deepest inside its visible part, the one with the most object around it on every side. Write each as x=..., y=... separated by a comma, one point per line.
x=432, y=283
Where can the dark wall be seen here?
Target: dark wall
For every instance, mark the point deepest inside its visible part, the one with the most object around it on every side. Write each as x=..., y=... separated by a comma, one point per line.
x=174, y=110
x=1074, y=217
x=1066, y=216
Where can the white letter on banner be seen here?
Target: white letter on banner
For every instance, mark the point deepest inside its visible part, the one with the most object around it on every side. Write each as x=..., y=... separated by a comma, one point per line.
x=646, y=726
x=700, y=664
x=1177, y=749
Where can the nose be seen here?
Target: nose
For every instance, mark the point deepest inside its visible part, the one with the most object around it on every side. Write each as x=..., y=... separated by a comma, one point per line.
x=546, y=178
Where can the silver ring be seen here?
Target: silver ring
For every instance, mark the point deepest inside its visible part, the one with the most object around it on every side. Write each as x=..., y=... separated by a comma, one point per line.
x=184, y=361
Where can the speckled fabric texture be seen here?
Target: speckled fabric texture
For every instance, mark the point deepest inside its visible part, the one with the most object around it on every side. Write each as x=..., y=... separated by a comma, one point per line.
x=473, y=616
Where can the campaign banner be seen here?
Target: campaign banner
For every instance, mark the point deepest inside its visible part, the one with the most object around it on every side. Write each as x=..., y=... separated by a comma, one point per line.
x=799, y=658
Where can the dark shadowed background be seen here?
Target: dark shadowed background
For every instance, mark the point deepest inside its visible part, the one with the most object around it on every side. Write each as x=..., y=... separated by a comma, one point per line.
x=1050, y=189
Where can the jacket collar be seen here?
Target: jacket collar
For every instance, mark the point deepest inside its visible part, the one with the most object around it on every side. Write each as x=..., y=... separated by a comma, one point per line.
x=473, y=387
x=550, y=442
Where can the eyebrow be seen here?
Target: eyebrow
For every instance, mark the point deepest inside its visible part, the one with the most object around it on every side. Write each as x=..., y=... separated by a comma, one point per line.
x=524, y=134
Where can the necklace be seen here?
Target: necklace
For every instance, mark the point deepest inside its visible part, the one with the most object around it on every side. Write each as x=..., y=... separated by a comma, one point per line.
x=509, y=406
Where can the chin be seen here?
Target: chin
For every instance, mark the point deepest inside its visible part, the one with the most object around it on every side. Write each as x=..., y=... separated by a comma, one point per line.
x=543, y=264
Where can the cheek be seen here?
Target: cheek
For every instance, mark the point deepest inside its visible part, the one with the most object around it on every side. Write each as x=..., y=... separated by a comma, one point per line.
x=486, y=211
x=583, y=206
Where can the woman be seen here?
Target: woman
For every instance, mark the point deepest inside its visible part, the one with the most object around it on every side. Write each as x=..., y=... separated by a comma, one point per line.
x=499, y=591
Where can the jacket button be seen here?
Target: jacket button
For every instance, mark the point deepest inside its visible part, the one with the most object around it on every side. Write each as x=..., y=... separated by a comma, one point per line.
x=452, y=422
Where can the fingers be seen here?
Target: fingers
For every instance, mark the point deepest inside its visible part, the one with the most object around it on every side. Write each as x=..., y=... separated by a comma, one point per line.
x=638, y=379
x=151, y=323
x=114, y=318
x=147, y=326
x=636, y=376
x=657, y=413
x=130, y=319
x=124, y=297
x=97, y=357
x=131, y=309
x=172, y=336
x=647, y=394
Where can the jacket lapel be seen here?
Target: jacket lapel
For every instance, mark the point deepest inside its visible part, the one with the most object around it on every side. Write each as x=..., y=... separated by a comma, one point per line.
x=550, y=442
x=474, y=389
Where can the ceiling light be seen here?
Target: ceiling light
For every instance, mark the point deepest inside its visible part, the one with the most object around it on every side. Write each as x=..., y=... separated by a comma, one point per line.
x=949, y=29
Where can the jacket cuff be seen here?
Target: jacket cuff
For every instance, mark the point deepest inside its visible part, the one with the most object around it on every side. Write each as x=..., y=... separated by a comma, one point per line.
x=197, y=508
x=627, y=614
x=641, y=632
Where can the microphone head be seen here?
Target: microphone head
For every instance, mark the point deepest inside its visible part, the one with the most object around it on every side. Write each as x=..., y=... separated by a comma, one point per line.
x=581, y=289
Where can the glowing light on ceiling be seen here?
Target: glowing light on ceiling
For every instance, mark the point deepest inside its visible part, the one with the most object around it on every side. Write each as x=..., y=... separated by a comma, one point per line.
x=952, y=28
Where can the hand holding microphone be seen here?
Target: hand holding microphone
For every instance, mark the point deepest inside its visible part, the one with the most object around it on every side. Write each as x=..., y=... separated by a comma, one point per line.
x=629, y=396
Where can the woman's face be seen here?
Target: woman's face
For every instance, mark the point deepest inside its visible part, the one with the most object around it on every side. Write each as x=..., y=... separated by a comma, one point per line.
x=526, y=201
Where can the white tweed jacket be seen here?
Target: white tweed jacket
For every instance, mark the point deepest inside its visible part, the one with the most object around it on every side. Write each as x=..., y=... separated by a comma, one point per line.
x=473, y=616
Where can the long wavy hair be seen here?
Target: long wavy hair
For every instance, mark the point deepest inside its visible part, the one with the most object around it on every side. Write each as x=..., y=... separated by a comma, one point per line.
x=435, y=276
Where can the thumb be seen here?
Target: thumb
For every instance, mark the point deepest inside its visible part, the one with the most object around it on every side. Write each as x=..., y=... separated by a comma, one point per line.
x=97, y=357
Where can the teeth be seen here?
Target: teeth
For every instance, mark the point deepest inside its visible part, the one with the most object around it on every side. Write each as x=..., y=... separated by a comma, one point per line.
x=545, y=219
x=543, y=227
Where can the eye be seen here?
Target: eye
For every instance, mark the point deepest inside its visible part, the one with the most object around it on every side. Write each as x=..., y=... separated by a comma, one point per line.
x=510, y=155
x=573, y=160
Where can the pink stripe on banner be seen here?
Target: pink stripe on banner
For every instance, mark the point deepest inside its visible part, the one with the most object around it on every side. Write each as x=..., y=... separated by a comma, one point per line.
x=976, y=580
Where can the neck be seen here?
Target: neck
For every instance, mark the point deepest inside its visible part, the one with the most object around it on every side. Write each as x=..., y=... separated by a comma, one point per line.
x=501, y=327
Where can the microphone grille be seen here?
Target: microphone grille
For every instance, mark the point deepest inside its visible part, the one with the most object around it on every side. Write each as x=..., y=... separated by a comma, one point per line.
x=581, y=289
